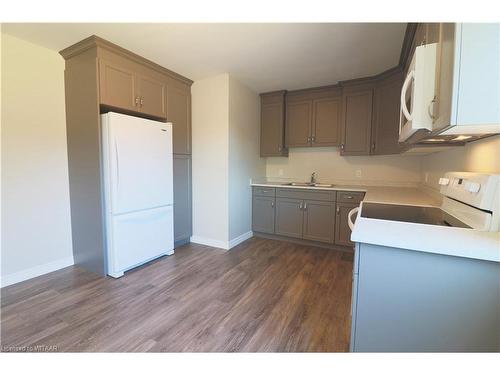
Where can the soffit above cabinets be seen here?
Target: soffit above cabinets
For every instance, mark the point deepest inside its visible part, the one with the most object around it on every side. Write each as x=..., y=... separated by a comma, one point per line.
x=265, y=57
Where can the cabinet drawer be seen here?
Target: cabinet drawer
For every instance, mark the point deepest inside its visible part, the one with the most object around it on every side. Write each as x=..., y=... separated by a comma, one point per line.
x=318, y=195
x=350, y=196
x=264, y=191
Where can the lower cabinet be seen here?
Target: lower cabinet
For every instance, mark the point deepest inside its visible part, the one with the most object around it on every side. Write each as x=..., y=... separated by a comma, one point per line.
x=305, y=214
x=319, y=219
x=289, y=217
x=263, y=214
x=182, y=198
x=342, y=230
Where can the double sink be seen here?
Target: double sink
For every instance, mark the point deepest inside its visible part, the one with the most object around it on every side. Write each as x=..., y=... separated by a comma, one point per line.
x=308, y=184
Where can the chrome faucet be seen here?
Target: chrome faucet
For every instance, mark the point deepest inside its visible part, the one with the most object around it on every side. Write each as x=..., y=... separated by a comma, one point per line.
x=313, y=178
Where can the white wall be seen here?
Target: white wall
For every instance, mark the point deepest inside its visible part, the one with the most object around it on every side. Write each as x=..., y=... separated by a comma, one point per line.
x=210, y=139
x=330, y=167
x=36, y=223
x=226, y=122
x=480, y=156
x=244, y=159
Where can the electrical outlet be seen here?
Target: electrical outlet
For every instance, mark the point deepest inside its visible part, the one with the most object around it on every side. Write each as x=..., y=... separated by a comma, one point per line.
x=358, y=173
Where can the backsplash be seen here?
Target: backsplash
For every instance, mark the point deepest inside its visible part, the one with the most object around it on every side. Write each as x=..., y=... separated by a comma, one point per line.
x=330, y=167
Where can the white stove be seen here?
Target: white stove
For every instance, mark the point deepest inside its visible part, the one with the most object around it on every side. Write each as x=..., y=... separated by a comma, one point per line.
x=470, y=200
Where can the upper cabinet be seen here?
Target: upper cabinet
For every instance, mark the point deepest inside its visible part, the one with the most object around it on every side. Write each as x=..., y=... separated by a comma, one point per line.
x=129, y=86
x=357, y=105
x=129, y=83
x=385, y=125
x=179, y=114
x=313, y=117
x=272, y=124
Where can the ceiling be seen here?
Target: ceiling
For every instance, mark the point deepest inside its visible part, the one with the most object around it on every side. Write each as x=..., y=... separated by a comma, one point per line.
x=265, y=57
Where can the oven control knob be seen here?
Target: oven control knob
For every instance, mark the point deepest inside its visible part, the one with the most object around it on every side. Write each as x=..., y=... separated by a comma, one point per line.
x=473, y=187
x=444, y=181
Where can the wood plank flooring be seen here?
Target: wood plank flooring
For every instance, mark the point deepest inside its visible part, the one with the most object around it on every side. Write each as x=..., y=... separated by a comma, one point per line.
x=262, y=296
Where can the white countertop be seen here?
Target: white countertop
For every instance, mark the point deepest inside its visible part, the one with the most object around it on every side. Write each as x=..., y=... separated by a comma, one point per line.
x=435, y=239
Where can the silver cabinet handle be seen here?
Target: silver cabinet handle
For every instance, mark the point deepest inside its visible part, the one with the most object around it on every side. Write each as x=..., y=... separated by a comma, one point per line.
x=136, y=101
x=308, y=139
x=305, y=206
x=338, y=210
x=342, y=147
x=300, y=205
x=272, y=204
x=313, y=138
x=348, y=196
x=142, y=101
x=279, y=148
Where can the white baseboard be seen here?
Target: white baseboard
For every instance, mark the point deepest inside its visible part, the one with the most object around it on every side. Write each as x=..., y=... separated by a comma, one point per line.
x=225, y=245
x=209, y=242
x=240, y=239
x=39, y=270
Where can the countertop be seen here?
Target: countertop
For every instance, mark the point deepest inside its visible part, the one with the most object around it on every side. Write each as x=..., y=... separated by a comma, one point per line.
x=462, y=242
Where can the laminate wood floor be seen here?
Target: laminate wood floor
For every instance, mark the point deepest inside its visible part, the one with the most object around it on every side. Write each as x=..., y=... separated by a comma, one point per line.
x=263, y=295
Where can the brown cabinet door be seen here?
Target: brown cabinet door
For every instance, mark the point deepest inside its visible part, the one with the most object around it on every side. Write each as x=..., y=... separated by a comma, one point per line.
x=152, y=93
x=298, y=123
x=117, y=86
x=357, y=122
x=326, y=121
x=263, y=214
x=289, y=217
x=385, y=128
x=179, y=114
x=272, y=126
x=342, y=230
x=182, y=197
x=319, y=218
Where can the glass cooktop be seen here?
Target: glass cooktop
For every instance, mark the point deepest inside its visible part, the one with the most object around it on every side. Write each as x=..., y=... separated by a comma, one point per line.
x=410, y=214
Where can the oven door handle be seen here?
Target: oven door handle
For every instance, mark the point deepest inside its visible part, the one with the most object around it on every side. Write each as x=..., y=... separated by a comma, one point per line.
x=349, y=217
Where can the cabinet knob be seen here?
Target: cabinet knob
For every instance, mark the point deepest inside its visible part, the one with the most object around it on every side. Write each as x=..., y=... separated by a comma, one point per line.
x=338, y=210
x=313, y=138
x=272, y=204
x=342, y=147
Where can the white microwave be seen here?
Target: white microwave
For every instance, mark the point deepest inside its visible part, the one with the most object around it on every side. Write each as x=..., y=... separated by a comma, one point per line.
x=417, y=93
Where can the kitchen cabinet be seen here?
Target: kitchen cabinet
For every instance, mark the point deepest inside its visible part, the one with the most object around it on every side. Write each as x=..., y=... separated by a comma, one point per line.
x=263, y=214
x=413, y=301
x=313, y=117
x=118, y=87
x=182, y=198
x=319, y=220
x=101, y=76
x=357, y=104
x=179, y=114
x=342, y=230
x=326, y=122
x=386, y=106
x=289, y=217
x=122, y=87
x=272, y=124
x=298, y=123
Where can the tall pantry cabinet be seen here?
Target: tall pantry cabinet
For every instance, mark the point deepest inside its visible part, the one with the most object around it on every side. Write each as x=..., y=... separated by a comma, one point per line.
x=100, y=77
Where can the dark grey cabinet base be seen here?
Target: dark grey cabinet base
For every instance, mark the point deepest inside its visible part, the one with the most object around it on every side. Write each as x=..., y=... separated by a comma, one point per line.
x=411, y=301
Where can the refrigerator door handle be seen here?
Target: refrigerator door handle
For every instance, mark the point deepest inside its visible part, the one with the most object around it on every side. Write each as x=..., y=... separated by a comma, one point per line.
x=117, y=158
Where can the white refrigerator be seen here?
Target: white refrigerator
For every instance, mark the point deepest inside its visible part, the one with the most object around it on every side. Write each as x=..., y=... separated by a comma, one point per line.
x=138, y=190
